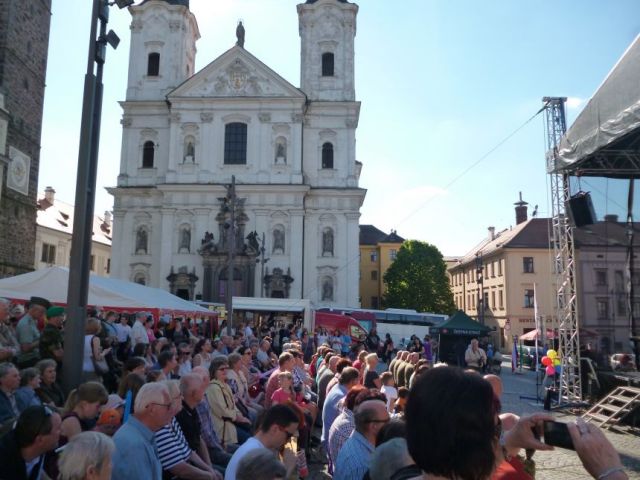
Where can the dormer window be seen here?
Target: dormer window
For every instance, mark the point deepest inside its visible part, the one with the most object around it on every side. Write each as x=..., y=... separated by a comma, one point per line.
x=327, y=64
x=153, y=65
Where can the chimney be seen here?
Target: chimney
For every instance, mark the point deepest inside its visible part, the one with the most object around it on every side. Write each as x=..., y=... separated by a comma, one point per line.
x=107, y=218
x=521, y=211
x=611, y=218
x=49, y=195
x=492, y=233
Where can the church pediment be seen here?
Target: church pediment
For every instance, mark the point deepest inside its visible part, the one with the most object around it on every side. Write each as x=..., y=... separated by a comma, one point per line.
x=236, y=73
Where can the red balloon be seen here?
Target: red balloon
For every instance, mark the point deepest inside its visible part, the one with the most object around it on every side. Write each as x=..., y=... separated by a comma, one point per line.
x=546, y=361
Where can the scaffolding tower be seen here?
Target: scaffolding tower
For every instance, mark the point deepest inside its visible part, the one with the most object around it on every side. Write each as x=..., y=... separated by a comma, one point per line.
x=563, y=256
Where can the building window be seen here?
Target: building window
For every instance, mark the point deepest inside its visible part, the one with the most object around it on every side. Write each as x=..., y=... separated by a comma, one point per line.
x=527, y=264
x=619, y=280
x=374, y=275
x=602, y=308
x=327, y=64
x=375, y=303
x=48, y=253
x=601, y=278
x=485, y=301
x=327, y=155
x=621, y=304
x=499, y=268
x=148, y=152
x=528, y=299
x=92, y=263
x=500, y=300
x=153, y=65
x=235, y=144
x=327, y=242
x=108, y=266
x=393, y=254
x=493, y=299
x=374, y=256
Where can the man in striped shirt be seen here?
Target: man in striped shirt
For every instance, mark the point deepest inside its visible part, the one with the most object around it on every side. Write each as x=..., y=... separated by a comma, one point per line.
x=173, y=450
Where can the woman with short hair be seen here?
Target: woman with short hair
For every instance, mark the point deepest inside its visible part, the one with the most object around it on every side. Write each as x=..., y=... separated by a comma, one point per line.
x=49, y=391
x=93, y=352
x=87, y=456
x=371, y=377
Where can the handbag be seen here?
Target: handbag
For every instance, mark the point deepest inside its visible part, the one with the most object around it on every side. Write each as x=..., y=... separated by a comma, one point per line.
x=100, y=366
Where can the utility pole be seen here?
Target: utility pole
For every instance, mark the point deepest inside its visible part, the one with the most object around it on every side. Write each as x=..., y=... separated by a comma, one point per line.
x=230, y=201
x=480, y=282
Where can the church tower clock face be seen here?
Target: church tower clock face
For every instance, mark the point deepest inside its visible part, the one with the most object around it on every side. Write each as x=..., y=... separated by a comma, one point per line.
x=18, y=173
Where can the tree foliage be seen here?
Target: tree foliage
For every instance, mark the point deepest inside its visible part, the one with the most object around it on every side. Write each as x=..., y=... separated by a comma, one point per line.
x=417, y=279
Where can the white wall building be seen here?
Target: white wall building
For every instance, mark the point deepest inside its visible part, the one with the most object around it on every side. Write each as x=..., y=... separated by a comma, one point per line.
x=291, y=150
x=54, y=229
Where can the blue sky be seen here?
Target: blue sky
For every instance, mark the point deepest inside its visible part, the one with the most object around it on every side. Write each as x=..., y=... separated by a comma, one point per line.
x=441, y=83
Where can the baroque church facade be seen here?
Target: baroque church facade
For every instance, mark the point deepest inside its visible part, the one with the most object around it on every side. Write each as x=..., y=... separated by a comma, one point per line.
x=291, y=152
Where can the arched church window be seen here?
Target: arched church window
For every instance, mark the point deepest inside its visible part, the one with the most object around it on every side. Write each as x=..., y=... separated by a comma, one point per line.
x=327, y=155
x=235, y=144
x=327, y=64
x=148, y=152
x=327, y=242
x=153, y=64
x=142, y=241
x=327, y=289
x=140, y=279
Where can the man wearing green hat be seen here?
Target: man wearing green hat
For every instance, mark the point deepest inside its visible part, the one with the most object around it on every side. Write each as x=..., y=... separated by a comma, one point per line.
x=51, y=338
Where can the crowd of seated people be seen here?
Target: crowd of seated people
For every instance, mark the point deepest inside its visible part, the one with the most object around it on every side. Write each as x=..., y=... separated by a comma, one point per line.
x=169, y=398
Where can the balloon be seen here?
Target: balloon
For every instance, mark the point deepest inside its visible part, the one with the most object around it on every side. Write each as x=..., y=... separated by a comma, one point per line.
x=556, y=362
x=550, y=370
x=558, y=368
x=546, y=361
x=552, y=354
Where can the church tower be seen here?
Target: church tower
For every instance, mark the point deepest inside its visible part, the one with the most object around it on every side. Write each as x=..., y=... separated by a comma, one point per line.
x=163, y=48
x=327, y=32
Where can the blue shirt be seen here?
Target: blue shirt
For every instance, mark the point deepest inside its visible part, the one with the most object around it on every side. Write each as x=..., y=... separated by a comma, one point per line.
x=353, y=459
x=135, y=455
x=331, y=409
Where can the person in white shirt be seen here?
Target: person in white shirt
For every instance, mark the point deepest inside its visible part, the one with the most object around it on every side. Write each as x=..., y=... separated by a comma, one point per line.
x=139, y=331
x=279, y=424
x=389, y=390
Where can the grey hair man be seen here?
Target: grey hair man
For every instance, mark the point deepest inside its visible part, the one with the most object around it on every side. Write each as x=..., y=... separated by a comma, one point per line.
x=261, y=464
x=9, y=346
x=9, y=383
x=87, y=455
x=135, y=455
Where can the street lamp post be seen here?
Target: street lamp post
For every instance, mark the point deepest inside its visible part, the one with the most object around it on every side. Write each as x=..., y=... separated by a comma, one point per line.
x=231, y=245
x=262, y=262
x=480, y=282
x=79, y=268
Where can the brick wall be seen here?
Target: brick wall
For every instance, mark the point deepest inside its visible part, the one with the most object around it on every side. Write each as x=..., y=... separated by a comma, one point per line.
x=24, y=41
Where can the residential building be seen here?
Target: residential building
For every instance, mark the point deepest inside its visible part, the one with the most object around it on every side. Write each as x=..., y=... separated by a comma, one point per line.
x=186, y=134
x=601, y=282
x=24, y=43
x=53, y=236
x=378, y=250
x=499, y=275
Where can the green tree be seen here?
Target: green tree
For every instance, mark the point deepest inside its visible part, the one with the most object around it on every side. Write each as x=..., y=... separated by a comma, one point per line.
x=417, y=279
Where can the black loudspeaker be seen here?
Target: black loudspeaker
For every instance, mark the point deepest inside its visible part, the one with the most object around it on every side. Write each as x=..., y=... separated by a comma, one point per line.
x=580, y=209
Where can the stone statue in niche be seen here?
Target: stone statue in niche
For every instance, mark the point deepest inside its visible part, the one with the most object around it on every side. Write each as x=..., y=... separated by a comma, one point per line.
x=185, y=240
x=278, y=241
x=141, y=241
x=327, y=242
x=327, y=290
x=240, y=35
x=190, y=153
x=281, y=153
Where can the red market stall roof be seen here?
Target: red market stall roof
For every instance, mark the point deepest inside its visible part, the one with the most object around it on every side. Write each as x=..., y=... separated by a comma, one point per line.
x=533, y=334
x=108, y=293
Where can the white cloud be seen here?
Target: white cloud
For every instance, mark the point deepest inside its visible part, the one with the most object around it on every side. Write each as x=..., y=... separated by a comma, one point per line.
x=575, y=102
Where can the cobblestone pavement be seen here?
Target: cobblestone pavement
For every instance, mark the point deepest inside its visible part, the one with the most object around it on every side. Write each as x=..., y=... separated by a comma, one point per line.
x=558, y=464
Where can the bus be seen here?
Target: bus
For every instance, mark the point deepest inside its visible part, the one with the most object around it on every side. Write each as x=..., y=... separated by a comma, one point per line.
x=399, y=323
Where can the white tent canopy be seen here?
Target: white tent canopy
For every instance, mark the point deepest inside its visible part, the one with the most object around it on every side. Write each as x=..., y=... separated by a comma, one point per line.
x=111, y=294
x=612, y=113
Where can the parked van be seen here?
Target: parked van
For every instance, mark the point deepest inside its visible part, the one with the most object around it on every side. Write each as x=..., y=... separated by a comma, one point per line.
x=337, y=321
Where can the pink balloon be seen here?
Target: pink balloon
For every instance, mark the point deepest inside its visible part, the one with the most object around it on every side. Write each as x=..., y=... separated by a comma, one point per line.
x=550, y=370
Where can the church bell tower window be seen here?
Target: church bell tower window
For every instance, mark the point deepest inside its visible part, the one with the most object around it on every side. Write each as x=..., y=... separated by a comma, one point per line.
x=327, y=155
x=327, y=64
x=153, y=65
x=235, y=144
x=148, y=152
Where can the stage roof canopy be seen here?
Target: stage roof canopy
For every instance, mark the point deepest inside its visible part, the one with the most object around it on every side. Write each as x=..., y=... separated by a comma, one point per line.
x=604, y=140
